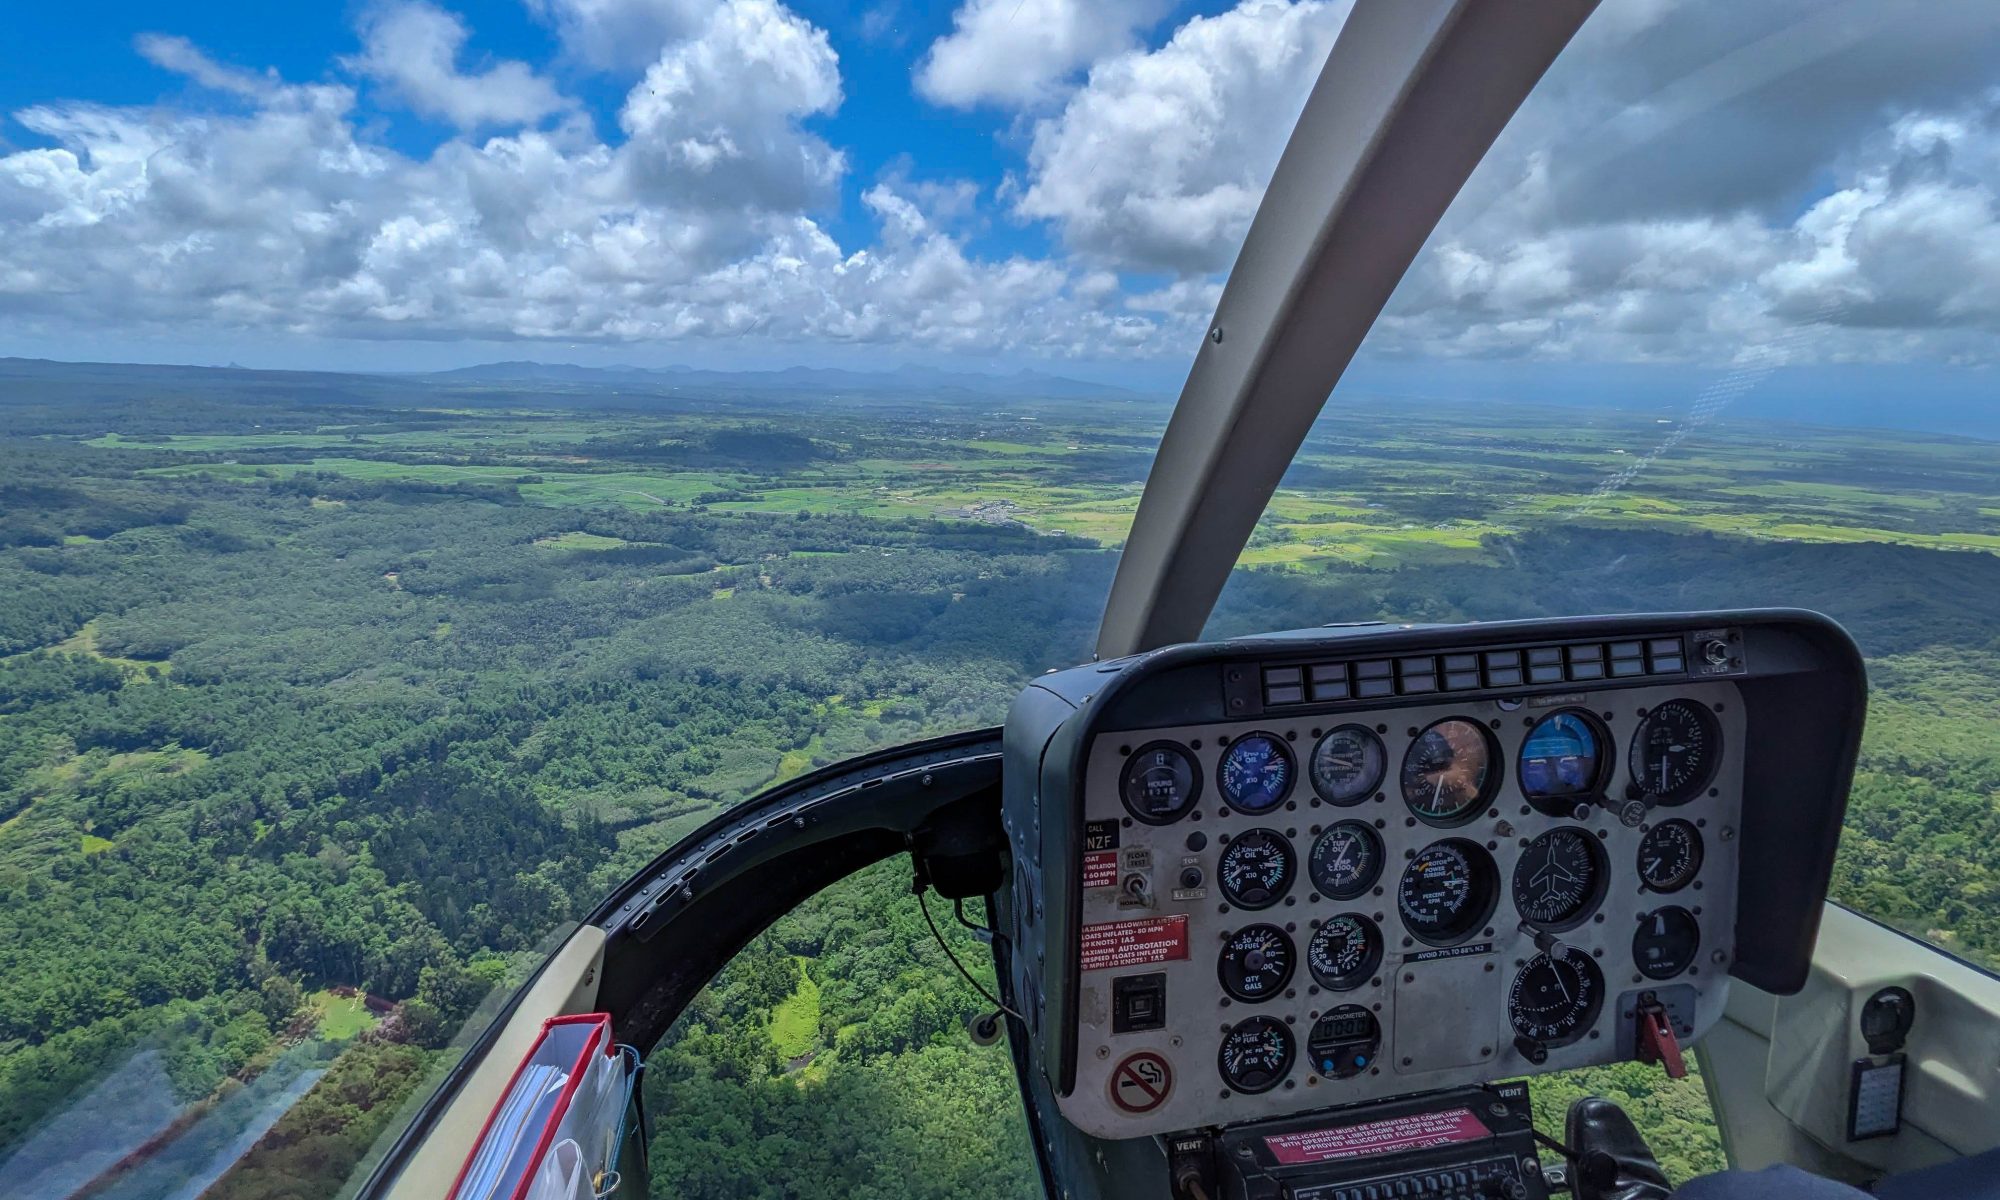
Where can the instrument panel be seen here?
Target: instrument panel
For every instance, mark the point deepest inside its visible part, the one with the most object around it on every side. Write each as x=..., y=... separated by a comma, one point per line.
x=1298, y=871
x=1284, y=910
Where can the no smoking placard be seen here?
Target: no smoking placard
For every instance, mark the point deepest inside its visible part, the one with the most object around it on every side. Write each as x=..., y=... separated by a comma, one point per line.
x=1141, y=1082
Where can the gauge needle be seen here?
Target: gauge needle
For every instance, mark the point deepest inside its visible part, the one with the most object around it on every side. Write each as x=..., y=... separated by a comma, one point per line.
x=1439, y=790
x=1565, y=989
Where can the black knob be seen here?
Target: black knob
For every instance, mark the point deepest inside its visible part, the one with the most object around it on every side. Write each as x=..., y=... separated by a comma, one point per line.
x=1191, y=877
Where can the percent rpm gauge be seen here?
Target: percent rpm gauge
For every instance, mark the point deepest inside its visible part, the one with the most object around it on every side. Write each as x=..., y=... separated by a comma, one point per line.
x=1348, y=765
x=1447, y=891
x=1449, y=772
x=1256, y=772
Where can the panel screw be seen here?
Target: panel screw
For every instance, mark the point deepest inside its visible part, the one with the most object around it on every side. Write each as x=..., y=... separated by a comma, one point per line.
x=1215, y=335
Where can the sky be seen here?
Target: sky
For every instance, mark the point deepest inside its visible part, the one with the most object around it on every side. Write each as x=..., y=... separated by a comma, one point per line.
x=1696, y=187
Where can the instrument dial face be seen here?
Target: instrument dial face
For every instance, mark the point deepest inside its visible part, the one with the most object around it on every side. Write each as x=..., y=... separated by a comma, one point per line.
x=1345, y=860
x=1160, y=783
x=1344, y=952
x=1256, y=772
x=1256, y=963
x=1562, y=761
x=1676, y=750
x=1256, y=868
x=1348, y=765
x=1255, y=1055
x=1666, y=942
x=1560, y=878
x=1670, y=855
x=1447, y=891
x=1555, y=1000
x=1449, y=772
x=1343, y=1042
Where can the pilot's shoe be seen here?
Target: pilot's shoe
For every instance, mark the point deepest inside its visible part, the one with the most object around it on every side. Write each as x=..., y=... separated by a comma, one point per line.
x=1613, y=1161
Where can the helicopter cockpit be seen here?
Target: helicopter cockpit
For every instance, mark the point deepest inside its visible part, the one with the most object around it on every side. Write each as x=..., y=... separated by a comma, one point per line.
x=1304, y=915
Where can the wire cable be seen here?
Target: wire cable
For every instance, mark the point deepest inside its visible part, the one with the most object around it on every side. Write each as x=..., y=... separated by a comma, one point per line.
x=976, y=985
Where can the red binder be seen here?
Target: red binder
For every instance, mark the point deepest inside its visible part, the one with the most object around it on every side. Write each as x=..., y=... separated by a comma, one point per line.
x=522, y=1126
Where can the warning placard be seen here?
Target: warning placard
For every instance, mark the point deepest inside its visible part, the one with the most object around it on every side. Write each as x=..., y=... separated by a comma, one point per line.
x=1100, y=869
x=1417, y=1131
x=1139, y=943
x=1142, y=1082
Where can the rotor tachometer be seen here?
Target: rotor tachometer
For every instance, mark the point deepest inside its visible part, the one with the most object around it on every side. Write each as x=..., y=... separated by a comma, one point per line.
x=1448, y=890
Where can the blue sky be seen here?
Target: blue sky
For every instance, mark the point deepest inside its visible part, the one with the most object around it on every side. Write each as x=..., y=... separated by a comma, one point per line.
x=978, y=184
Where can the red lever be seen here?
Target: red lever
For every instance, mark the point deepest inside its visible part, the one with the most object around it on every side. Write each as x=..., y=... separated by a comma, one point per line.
x=1657, y=1042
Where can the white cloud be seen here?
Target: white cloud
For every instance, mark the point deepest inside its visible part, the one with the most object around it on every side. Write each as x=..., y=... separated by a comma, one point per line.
x=412, y=47
x=1017, y=52
x=715, y=122
x=695, y=226
x=1655, y=200
x=1159, y=161
x=622, y=34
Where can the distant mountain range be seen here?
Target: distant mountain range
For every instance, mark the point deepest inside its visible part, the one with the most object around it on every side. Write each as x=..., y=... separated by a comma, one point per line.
x=907, y=380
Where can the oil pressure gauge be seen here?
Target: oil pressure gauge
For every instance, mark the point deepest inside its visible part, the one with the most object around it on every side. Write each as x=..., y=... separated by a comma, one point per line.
x=1256, y=868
